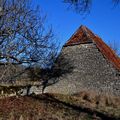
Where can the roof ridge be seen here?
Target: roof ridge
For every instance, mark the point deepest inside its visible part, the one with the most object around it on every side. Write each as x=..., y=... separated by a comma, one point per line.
x=84, y=35
x=104, y=48
x=85, y=31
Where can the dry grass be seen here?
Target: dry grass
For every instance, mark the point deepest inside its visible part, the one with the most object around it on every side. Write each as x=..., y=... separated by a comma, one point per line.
x=38, y=108
x=101, y=100
x=82, y=106
x=107, y=104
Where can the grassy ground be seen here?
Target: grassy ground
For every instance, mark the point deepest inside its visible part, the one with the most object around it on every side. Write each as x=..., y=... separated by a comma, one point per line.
x=82, y=106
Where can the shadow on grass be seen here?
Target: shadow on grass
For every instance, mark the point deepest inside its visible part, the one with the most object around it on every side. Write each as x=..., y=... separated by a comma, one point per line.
x=47, y=98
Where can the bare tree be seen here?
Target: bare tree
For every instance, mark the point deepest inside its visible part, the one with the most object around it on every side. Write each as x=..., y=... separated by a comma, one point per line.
x=83, y=6
x=79, y=6
x=116, y=2
x=23, y=37
x=62, y=66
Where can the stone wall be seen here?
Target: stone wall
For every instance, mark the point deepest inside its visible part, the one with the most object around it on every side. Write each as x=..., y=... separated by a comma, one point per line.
x=7, y=91
x=90, y=70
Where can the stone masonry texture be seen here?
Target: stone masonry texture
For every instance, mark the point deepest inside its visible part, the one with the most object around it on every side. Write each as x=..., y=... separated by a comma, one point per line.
x=90, y=71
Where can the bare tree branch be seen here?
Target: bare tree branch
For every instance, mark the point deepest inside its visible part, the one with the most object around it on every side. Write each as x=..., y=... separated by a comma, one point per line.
x=24, y=38
x=79, y=6
x=116, y=1
x=83, y=6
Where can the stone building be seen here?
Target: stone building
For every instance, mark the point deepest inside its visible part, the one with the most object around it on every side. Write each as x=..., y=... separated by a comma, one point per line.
x=86, y=63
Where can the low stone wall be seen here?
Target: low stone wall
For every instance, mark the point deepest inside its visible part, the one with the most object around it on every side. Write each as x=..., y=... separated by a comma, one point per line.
x=17, y=90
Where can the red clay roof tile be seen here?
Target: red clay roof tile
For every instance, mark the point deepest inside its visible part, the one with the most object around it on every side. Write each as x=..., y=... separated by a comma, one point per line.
x=84, y=35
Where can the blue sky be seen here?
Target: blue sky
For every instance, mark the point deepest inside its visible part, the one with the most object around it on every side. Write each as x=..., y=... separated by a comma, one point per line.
x=104, y=20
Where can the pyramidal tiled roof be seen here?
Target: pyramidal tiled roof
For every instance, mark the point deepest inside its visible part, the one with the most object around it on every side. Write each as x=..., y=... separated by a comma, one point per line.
x=84, y=35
